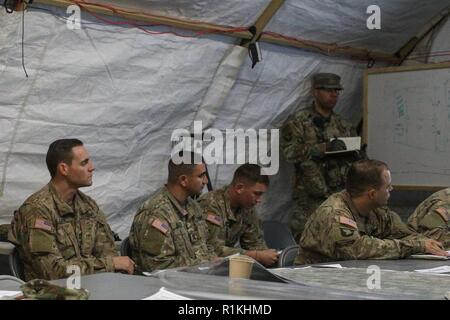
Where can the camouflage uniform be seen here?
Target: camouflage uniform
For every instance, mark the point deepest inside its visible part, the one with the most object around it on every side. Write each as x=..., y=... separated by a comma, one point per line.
x=4, y=229
x=432, y=217
x=39, y=289
x=316, y=176
x=51, y=235
x=336, y=231
x=166, y=235
x=226, y=229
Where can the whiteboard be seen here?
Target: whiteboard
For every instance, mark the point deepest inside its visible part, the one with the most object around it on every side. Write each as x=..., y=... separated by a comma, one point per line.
x=407, y=123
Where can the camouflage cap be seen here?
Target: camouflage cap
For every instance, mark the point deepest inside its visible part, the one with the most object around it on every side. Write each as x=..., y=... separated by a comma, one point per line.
x=327, y=81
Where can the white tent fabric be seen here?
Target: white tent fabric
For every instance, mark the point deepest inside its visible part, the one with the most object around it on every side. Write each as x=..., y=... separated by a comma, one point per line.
x=344, y=22
x=123, y=92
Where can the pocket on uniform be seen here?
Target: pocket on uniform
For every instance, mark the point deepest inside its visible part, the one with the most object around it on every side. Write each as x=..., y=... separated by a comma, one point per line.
x=41, y=241
x=313, y=179
x=183, y=245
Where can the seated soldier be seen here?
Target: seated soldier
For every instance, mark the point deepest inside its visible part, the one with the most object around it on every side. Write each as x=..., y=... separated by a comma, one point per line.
x=59, y=226
x=168, y=230
x=232, y=218
x=357, y=224
x=432, y=217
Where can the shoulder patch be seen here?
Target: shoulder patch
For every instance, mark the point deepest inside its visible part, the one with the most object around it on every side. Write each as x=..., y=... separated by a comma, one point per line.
x=214, y=219
x=443, y=213
x=43, y=224
x=348, y=222
x=159, y=225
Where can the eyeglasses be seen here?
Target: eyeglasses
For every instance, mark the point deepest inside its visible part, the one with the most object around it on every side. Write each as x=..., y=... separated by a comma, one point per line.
x=331, y=90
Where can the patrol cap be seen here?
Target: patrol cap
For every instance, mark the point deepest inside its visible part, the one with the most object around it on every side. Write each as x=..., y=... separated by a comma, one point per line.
x=327, y=81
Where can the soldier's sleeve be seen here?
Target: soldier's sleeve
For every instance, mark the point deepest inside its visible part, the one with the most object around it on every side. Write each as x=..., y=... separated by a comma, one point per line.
x=216, y=229
x=435, y=223
x=252, y=237
x=397, y=229
x=344, y=242
x=154, y=243
x=47, y=260
x=293, y=145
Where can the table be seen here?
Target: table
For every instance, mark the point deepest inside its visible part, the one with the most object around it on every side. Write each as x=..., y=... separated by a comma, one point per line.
x=397, y=280
x=397, y=277
x=116, y=286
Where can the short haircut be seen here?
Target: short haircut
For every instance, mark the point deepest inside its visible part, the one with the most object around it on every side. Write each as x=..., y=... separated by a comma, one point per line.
x=182, y=167
x=363, y=175
x=249, y=174
x=60, y=151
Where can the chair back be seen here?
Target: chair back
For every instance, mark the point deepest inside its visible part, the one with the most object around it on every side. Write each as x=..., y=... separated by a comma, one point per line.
x=287, y=256
x=278, y=235
x=15, y=264
x=125, y=248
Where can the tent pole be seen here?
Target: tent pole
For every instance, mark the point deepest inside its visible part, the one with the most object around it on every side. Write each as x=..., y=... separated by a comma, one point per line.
x=408, y=47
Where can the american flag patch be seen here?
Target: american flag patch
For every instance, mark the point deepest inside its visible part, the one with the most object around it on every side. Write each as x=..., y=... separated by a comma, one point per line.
x=214, y=219
x=161, y=226
x=43, y=224
x=348, y=222
x=443, y=213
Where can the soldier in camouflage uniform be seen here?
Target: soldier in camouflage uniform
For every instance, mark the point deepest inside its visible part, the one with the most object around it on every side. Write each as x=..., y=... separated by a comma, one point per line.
x=305, y=138
x=232, y=219
x=168, y=230
x=59, y=226
x=432, y=217
x=356, y=223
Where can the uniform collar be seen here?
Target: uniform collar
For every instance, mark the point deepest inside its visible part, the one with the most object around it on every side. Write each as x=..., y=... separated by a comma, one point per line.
x=227, y=202
x=361, y=221
x=348, y=200
x=62, y=207
x=315, y=113
x=181, y=211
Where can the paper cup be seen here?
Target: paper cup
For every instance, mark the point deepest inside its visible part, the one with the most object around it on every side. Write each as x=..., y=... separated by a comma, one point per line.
x=240, y=267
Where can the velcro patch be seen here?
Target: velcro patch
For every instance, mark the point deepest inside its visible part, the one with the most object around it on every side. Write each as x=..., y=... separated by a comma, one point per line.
x=214, y=219
x=159, y=225
x=348, y=222
x=443, y=213
x=347, y=232
x=43, y=224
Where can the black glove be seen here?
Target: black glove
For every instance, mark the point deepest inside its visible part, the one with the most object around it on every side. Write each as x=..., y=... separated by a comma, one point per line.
x=336, y=145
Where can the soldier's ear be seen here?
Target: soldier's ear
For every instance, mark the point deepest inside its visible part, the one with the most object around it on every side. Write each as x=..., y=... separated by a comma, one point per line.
x=63, y=169
x=183, y=180
x=239, y=187
x=371, y=193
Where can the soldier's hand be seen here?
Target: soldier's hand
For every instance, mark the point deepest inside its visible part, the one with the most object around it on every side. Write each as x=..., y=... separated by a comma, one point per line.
x=435, y=247
x=123, y=263
x=267, y=257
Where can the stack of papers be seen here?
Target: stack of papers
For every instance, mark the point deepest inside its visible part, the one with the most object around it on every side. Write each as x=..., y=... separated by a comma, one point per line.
x=442, y=269
x=164, y=294
x=351, y=143
x=429, y=257
x=7, y=295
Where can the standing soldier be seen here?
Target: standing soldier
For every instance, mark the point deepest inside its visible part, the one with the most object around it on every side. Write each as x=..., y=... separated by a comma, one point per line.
x=59, y=226
x=432, y=217
x=305, y=137
x=232, y=219
x=168, y=230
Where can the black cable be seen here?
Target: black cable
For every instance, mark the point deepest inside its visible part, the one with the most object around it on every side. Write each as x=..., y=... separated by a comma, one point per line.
x=23, y=37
